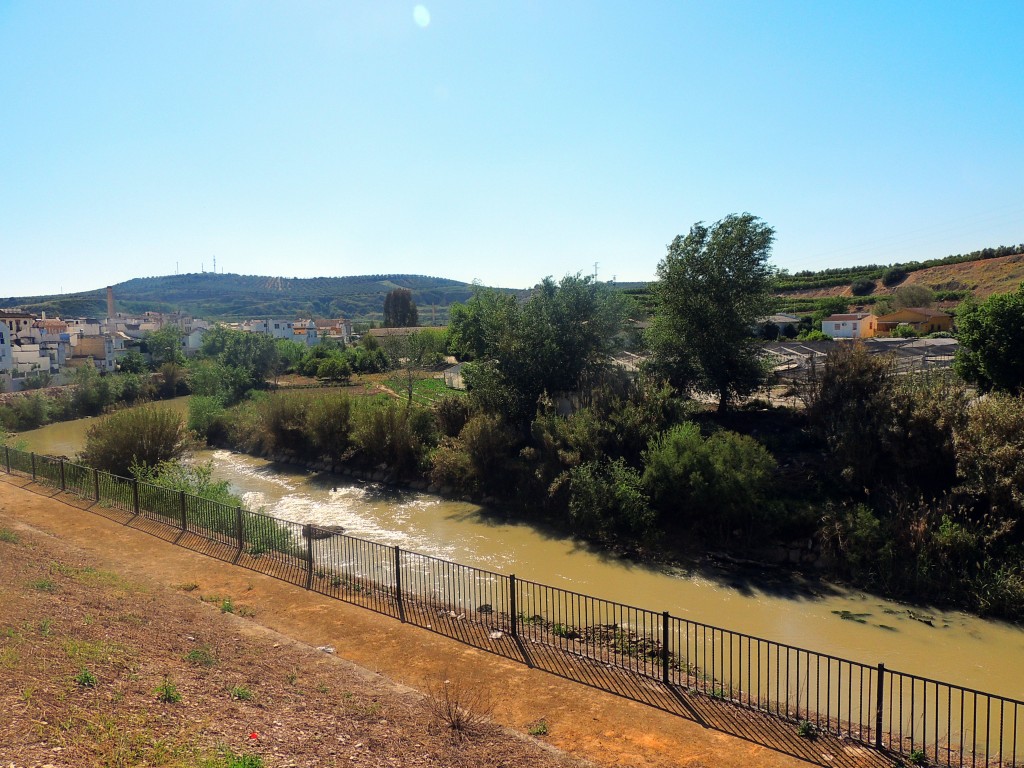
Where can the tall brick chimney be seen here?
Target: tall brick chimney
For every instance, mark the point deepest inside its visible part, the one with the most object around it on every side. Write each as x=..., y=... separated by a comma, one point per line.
x=110, y=302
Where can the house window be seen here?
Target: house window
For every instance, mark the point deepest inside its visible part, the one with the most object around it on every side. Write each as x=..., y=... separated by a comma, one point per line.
x=837, y=326
x=855, y=326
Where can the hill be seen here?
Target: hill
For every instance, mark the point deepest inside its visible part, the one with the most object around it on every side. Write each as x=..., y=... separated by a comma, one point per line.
x=235, y=297
x=950, y=282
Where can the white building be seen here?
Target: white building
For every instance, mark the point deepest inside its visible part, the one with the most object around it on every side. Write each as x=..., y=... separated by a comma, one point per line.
x=6, y=362
x=301, y=331
x=193, y=341
x=17, y=322
x=340, y=329
x=28, y=356
x=305, y=332
x=83, y=327
x=856, y=325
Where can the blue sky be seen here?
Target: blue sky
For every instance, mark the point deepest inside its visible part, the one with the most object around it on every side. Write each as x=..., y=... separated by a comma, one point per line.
x=501, y=142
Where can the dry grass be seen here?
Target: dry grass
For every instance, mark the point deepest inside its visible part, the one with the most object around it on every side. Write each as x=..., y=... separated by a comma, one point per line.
x=104, y=671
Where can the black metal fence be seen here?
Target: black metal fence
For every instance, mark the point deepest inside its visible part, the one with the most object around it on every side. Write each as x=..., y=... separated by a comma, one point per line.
x=920, y=719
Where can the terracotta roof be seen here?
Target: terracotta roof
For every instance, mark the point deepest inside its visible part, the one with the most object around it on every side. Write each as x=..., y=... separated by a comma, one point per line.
x=854, y=316
x=51, y=325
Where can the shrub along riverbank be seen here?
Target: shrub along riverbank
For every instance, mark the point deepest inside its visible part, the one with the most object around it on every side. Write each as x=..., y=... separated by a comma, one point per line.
x=907, y=486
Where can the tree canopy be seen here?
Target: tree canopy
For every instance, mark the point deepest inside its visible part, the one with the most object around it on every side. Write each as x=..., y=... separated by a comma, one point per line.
x=400, y=310
x=546, y=344
x=991, y=348
x=165, y=345
x=714, y=285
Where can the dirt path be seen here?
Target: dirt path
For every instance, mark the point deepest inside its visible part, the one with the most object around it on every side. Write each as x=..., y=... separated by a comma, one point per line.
x=581, y=721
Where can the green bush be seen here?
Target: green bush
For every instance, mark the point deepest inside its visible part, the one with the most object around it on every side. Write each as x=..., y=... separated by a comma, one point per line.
x=452, y=412
x=229, y=384
x=450, y=465
x=206, y=417
x=489, y=444
x=334, y=369
x=852, y=536
x=990, y=453
x=813, y=336
x=893, y=275
x=904, y=331
x=329, y=424
x=284, y=422
x=716, y=485
x=171, y=380
x=607, y=499
x=27, y=411
x=139, y=436
x=849, y=405
x=862, y=287
x=391, y=434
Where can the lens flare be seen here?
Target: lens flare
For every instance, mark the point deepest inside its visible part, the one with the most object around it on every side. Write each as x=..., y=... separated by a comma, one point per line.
x=421, y=16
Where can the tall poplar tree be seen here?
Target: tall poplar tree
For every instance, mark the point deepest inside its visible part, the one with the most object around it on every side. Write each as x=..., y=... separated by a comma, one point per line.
x=714, y=286
x=400, y=310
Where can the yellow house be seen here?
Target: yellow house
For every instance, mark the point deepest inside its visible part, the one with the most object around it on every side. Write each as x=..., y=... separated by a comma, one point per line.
x=921, y=319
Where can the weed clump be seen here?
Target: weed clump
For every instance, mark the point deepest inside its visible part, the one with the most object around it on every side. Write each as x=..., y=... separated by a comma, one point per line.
x=167, y=692
x=464, y=711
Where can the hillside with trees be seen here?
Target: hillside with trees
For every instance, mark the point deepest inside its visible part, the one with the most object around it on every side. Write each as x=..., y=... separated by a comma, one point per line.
x=978, y=275
x=234, y=297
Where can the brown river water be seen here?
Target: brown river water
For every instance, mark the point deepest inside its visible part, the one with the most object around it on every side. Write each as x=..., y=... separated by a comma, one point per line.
x=945, y=645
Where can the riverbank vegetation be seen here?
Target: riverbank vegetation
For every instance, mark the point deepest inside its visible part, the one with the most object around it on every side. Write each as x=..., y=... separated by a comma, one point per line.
x=90, y=394
x=905, y=484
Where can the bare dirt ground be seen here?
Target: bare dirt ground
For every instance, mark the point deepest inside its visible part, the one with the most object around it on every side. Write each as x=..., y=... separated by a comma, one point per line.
x=81, y=592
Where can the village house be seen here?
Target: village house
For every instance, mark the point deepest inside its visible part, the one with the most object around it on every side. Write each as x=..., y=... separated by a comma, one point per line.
x=17, y=322
x=339, y=330
x=5, y=351
x=99, y=348
x=922, y=319
x=854, y=325
x=27, y=356
x=301, y=331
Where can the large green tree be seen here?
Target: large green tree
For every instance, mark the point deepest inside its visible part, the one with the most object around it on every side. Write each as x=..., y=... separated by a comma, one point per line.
x=991, y=348
x=165, y=346
x=400, y=310
x=547, y=344
x=255, y=355
x=714, y=285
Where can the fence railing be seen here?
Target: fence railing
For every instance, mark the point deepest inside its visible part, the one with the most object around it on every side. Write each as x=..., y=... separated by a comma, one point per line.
x=923, y=720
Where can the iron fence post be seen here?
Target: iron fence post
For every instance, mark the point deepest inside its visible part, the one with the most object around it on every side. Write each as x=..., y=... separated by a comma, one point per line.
x=96, y=484
x=880, y=692
x=664, y=647
x=398, y=583
x=7, y=456
x=240, y=532
x=513, y=613
x=63, y=479
x=33, y=466
x=135, y=496
x=307, y=531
